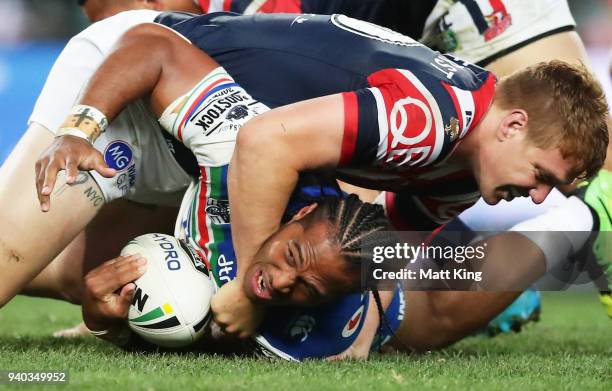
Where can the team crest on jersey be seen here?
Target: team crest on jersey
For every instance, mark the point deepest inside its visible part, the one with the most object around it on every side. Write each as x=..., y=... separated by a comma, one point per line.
x=452, y=129
x=218, y=211
x=237, y=113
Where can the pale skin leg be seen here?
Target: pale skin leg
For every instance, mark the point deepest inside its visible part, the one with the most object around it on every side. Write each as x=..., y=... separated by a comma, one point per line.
x=116, y=224
x=30, y=239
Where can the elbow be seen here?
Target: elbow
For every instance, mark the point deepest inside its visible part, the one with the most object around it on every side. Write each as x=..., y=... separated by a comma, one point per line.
x=250, y=138
x=257, y=140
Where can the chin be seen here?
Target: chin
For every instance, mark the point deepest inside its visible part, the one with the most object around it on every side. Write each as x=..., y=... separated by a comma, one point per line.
x=491, y=199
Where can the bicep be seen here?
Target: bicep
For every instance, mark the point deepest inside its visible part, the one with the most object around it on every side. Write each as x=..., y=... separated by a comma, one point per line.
x=308, y=135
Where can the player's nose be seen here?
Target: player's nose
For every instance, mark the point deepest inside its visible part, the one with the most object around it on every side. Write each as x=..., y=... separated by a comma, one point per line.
x=283, y=280
x=539, y=193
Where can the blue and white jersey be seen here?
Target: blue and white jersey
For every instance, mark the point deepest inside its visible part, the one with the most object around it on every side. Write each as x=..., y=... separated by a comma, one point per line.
x=287, y=332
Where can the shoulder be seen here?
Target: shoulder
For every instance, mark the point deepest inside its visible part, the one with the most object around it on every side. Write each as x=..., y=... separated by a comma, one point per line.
x=105, y=33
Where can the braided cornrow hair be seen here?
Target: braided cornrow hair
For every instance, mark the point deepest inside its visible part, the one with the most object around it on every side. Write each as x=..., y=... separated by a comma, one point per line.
x=355, y=226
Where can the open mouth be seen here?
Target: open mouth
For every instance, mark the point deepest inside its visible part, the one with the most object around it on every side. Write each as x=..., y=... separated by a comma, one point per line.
x=511, y=192
x=261, y=286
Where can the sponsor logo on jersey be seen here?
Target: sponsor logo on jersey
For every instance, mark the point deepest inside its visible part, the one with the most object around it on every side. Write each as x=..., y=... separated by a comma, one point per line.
x=196, y=257
x=302, y=327
x=218, y=211
x=126, y=179
x=399, y=122
x=225, y=269
x=118, y=155
x=351, y=325
x=211, y=116
x=299, y=20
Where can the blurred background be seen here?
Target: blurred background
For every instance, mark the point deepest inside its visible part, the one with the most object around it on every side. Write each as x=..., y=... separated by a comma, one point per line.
x=33, y=32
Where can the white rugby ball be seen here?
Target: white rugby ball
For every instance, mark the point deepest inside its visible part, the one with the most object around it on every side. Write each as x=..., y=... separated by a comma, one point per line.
x=171, y=304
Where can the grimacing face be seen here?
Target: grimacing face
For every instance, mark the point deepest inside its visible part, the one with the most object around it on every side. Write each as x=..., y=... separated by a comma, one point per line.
x=299, y=265
x=514, y=167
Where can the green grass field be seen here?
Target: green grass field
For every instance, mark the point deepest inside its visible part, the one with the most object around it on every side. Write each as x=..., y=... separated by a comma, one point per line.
x=571, y=348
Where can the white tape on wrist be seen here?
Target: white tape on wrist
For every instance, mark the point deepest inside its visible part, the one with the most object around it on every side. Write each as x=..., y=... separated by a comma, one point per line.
x=85, y=122
x=99, y=333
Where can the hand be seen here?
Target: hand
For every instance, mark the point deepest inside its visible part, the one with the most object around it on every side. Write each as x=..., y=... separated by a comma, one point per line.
x=68, y=153
x=109, y=289
x=360, y=348
x=357, y=351
x=234, y=312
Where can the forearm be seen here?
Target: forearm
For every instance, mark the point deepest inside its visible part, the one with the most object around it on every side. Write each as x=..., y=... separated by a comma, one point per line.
x=259, y=189
x=147, y=61
x=372, y=320
x=123, y=76
x=271, y=151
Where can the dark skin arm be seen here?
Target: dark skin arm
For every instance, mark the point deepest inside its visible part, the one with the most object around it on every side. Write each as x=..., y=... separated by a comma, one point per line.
x=122, y=78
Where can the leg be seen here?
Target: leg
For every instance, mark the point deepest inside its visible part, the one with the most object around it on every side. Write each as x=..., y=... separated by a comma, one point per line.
x=30, y=239
x=116, y=224
x=437, y=319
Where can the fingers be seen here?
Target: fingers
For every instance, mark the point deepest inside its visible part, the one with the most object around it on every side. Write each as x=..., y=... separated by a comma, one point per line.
x=348, y=354
x=68, y=153
x=337, y=357
x=72, y=170
x=95, y=161
x=114, y=274
x=125, y=300
x=46, y=175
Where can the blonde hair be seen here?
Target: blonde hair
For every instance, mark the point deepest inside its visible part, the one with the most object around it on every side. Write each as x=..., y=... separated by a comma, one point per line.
x=566, y=108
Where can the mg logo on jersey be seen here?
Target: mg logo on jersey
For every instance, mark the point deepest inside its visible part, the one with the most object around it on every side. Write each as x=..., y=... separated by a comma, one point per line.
x=302, y=327
x=351, y=325
x=118, y=155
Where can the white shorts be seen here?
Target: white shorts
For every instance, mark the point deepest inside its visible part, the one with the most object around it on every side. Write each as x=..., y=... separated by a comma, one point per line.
x=147, y=172
x=480, y=31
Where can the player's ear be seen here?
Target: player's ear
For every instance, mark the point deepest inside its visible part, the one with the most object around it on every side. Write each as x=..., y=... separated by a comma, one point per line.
x=305, y=211
x=513, y=124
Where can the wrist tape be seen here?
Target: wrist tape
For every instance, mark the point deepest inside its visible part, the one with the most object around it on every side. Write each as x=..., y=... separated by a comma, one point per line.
x=85, y=122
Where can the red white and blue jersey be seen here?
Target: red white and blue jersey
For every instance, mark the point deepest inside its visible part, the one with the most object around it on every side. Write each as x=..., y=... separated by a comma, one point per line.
x=407, y=17
x=479, y=31
x=406, y=106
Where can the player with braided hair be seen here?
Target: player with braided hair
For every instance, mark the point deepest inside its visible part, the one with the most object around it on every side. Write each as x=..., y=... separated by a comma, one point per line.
x=356, y=222
x=348, y=225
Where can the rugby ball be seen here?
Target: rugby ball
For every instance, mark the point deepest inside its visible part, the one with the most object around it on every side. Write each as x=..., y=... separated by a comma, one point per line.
x=171, y=304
